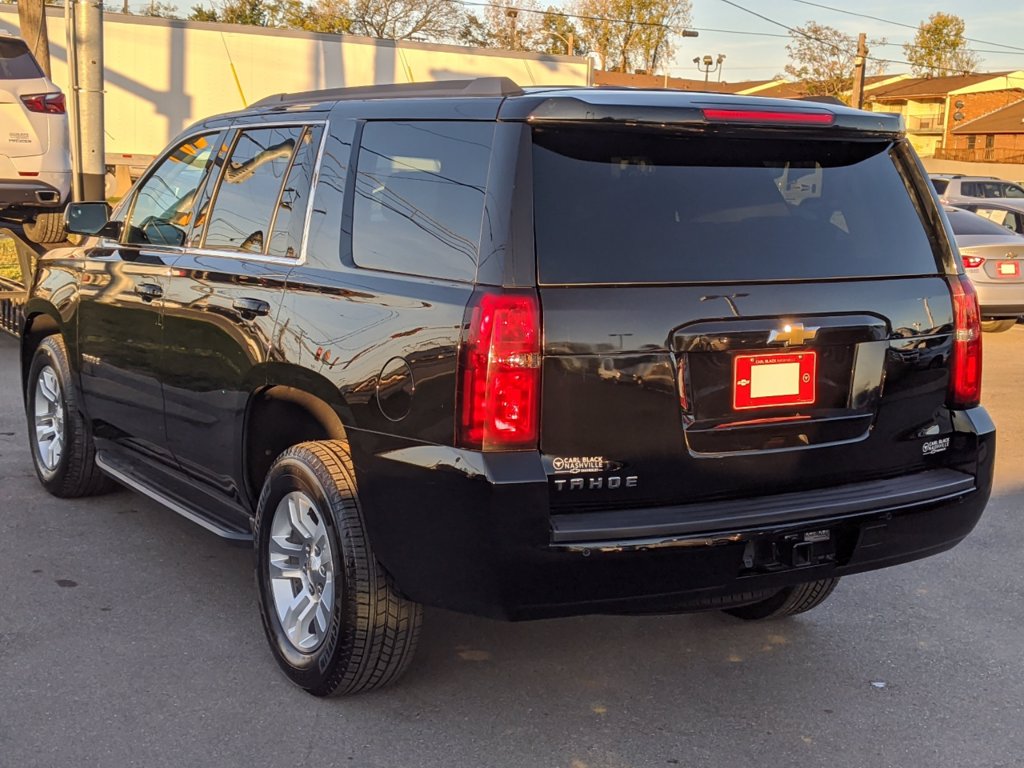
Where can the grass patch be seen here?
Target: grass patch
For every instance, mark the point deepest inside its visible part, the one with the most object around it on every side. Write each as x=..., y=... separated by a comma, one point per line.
x=9, y=265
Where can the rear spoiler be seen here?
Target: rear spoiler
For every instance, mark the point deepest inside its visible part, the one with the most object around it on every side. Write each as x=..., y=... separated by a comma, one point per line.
x=774, y=114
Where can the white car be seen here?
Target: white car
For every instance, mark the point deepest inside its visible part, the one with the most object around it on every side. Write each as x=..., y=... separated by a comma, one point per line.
x=35, y=157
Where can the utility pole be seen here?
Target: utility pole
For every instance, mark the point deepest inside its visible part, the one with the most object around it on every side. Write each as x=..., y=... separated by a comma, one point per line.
x=85, y=43
x=857, y=97
x=513, y=16
x=32, y=20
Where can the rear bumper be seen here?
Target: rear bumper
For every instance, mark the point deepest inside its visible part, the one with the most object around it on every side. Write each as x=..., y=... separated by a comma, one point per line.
x=998, y=301
x=48, y=191
x=476, y=537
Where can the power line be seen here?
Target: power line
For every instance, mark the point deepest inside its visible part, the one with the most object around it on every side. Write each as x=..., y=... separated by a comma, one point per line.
x=800, y=33
x=902, y=24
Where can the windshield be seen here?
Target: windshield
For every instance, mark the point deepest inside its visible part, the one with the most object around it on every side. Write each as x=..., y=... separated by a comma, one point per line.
x=638, y=207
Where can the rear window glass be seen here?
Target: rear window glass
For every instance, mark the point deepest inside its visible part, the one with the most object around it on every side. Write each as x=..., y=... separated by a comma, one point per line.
x=940, y=185
x=615, y=207
x=420, y=197
x=967, y=223
x=16, y=63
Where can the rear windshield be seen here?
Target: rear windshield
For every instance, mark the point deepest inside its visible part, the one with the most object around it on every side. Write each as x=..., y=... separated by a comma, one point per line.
x=967, y=223
x=618, y=207
x=16, y=63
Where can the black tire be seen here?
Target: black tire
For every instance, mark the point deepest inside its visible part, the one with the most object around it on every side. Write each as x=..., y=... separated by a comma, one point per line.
x=47, y=227
x=998, y=326
x=787, y=602
x=372, y=632
x=75, y=473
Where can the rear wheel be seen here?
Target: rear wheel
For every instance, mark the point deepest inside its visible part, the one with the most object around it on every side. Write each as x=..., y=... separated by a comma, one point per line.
x=62, y=447
x=787, y=602
x=334, y=618
x=47, y=227
x=998, y=326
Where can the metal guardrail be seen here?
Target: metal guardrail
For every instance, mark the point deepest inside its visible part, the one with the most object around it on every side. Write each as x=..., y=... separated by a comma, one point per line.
x=15, y=277
x=981, y=155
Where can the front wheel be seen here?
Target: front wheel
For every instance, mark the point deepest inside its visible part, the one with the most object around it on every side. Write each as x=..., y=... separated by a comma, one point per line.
x=62, y=447
x=787, y=602
x=333, y=616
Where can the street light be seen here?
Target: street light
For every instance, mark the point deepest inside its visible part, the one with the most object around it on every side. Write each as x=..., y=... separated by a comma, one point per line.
x=708, y=64
x=570, y=43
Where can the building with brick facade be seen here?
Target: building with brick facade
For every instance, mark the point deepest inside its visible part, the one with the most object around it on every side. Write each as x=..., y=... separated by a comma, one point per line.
x=998, y=137
x=934, y=107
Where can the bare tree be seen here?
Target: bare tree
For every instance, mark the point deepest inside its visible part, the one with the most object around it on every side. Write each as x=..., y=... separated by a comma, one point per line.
x=822, y=58
x=632, y=34
x=404, y=19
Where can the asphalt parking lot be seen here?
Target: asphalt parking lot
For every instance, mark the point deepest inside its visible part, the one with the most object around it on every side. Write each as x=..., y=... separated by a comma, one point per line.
x=129, y=636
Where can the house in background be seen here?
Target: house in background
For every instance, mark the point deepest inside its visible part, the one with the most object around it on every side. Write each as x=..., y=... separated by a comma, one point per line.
x=933, y=107
x=998, y=137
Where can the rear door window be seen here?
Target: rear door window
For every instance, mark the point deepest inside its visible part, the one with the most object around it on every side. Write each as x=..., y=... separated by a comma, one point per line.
x=16, y=62
x=250, y=188
x=420, y=197
x=617, y=207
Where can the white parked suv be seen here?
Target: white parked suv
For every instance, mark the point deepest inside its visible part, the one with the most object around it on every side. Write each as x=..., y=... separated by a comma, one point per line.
x=35, y=158
x=954, y=188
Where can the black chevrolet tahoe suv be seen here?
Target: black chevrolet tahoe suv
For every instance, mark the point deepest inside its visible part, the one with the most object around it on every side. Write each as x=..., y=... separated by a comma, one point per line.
x=522, y=353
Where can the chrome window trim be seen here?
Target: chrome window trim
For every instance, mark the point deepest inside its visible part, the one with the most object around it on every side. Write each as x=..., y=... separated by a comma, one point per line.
x=153, y=168
x=314, y=183
x=262, y=257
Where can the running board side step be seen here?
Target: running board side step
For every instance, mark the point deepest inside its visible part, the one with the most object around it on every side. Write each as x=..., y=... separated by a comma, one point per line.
x=121, y=472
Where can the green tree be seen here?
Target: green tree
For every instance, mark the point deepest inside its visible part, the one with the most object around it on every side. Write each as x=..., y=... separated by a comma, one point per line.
x=202, y=13
x=940, y=48
x=556, y=31
x=632, y=34
x=822, y=58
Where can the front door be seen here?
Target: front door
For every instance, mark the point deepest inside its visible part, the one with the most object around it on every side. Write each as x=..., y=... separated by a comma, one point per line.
x=225, y=296
x=122, y=300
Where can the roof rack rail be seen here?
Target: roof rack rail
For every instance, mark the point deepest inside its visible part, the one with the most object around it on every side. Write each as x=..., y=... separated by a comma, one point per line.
x=481, y=86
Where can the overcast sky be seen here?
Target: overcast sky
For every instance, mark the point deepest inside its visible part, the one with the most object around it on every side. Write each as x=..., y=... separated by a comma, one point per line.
x=753, y=57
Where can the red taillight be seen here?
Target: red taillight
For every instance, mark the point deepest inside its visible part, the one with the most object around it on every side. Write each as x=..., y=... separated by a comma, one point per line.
x=965, y=362
x=51, y=103
x=973, y=262
x=499, y=374
x=767, y=116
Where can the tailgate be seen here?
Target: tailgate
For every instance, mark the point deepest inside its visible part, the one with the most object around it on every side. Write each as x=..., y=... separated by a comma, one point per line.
x=734, y=315
x=661, y=400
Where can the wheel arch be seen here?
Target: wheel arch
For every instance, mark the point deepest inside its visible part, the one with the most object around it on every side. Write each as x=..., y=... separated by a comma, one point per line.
x=41, y=320
x=279, y=416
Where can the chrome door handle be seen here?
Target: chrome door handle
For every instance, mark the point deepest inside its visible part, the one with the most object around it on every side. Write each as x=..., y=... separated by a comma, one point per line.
x=148, y=291
x=251, y=307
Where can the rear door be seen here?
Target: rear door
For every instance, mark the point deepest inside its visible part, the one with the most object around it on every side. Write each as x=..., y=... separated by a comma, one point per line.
x=730, y=316
x=225, y=294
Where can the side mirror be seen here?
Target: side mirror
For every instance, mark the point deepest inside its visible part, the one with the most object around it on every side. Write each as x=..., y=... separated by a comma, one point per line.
x=91, y=219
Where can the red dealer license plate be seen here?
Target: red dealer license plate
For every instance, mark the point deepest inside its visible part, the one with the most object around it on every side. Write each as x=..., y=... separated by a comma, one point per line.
x=768, y=381
x=1008, y=269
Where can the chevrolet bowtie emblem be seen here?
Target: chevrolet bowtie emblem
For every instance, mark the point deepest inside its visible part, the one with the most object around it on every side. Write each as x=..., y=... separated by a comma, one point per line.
x=792, y=335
